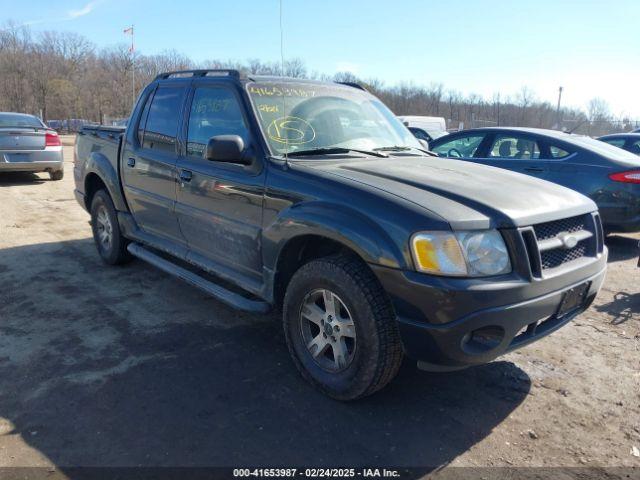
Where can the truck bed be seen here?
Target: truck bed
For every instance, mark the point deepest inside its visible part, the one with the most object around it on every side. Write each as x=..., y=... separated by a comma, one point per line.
x=104, y=140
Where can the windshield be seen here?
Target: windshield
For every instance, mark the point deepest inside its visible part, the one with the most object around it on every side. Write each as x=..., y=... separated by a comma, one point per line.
x=434, y=134
x=14, y=120
x=305, y=116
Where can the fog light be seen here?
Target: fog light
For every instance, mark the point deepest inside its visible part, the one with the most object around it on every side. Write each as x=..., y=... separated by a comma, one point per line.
x=482, y=340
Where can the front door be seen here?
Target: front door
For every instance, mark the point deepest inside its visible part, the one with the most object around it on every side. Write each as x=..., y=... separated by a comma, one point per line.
x=149, y=164
x=219, y=204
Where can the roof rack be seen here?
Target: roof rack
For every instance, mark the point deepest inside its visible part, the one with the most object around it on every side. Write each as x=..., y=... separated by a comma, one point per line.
x=199, y=73
x=353, y=84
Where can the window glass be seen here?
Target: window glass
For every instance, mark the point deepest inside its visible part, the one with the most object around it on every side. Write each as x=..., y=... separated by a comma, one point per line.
x=214, y=111
x=18, y=120
x=162, y=123
x=143, y=118
x=307, y=116
x=420, y=134
x=557, y=152
x=600, y=147
x=511, y=146
x=616, y=142
x=635, y=147
x=462, y=147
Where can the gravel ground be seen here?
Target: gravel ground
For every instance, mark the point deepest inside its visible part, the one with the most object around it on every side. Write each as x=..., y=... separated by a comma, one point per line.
x=127, y=366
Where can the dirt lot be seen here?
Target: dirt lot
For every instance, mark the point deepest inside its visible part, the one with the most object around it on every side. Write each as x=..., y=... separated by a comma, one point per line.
x=128, y=366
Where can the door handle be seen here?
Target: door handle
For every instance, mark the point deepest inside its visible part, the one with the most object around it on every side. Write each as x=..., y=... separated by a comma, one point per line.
x=186, y=175
x=533, y=169
x=131, y=162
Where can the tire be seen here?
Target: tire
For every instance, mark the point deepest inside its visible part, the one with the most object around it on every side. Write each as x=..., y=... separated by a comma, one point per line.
x=372, y=358
x=56, y=175
x=111, y=245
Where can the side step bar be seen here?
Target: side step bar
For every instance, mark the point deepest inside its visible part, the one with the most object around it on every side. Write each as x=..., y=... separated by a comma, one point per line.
x=225, y=296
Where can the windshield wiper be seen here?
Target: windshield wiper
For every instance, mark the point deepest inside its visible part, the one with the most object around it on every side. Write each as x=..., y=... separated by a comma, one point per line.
x=403, y=148
x=393, y=148
x=334, y=150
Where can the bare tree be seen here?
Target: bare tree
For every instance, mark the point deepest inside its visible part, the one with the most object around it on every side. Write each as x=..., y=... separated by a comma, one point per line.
x=62, y=75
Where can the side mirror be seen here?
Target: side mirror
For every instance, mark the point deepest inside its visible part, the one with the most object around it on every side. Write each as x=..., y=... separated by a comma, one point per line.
x=226, y=148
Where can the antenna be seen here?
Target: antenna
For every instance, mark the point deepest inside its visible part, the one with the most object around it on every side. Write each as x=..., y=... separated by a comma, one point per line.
x=284, y=105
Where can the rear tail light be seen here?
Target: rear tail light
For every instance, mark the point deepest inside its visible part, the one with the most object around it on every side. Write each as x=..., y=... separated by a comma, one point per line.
x=51, y=139
x=632, y=176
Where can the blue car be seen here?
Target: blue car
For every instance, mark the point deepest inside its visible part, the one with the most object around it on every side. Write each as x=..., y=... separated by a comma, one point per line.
x=628, y=141
x=608, y=175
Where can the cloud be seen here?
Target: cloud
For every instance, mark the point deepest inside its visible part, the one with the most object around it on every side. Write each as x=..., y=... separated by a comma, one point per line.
x=86, y=10
x=71, y=14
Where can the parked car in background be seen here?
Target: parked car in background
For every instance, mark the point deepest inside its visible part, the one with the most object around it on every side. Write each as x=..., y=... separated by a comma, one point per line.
x=28, y=145
x=628, y=141
x=325, y=205
x=608, y=175
x=55, y=124
x=425, y=128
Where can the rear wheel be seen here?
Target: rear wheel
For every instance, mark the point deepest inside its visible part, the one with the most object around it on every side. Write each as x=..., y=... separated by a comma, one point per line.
x=111, y=245
x=56, y=175
x=340, y=328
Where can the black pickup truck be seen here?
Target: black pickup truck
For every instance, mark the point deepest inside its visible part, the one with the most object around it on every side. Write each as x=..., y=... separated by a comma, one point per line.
x=313, y=198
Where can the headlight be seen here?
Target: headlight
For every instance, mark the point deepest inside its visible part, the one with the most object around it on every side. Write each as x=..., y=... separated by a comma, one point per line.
x=463, y=254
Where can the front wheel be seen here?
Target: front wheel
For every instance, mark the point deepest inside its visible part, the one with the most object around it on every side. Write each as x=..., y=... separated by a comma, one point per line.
x=340, y=328
x=111, y=245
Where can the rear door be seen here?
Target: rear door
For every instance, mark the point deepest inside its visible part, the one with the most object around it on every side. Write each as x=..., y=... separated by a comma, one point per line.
x=149, y=163
x=219, y=205
x=517, y=152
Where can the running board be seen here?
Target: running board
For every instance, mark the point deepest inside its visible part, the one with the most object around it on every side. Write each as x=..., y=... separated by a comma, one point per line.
x=225, y=296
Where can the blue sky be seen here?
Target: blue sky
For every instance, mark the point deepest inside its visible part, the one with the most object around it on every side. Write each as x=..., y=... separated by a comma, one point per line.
x=590, y=47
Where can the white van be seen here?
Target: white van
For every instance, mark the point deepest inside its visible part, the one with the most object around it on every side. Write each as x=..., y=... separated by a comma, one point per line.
x=425, y=128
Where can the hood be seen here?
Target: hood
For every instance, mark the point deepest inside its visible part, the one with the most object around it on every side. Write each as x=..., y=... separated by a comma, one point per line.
x=465, y=194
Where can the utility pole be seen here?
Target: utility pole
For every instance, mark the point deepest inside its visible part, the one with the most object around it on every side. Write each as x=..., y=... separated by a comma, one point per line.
x=558, y=109
x=132, y=51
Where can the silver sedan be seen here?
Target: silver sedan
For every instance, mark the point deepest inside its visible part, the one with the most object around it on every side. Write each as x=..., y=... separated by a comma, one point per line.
x=28, y=145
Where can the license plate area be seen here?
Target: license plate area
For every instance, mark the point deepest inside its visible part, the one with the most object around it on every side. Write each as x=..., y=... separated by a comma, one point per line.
x=573, y=299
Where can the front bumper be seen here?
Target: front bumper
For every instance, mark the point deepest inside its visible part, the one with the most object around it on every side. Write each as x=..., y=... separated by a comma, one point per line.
x=448, y=323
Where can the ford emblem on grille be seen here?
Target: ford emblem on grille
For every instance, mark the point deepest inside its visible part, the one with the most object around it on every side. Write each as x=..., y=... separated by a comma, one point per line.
x=568, y=241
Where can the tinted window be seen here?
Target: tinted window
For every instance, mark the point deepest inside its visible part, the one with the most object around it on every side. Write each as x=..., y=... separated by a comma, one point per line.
x=13, y=120
x=635, y=147
x=461, y=147
x=214, y=111
x=557, y=152
x=143, y=118
x=162, y=123
x=600, y=148
x=515, y=147
x=420, y=134
x=616, y=142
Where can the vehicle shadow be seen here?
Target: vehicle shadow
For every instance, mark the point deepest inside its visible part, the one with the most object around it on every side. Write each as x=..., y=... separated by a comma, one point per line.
x=126, y=366
x=622, y=308
x=622, y=248
x=19, y=178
